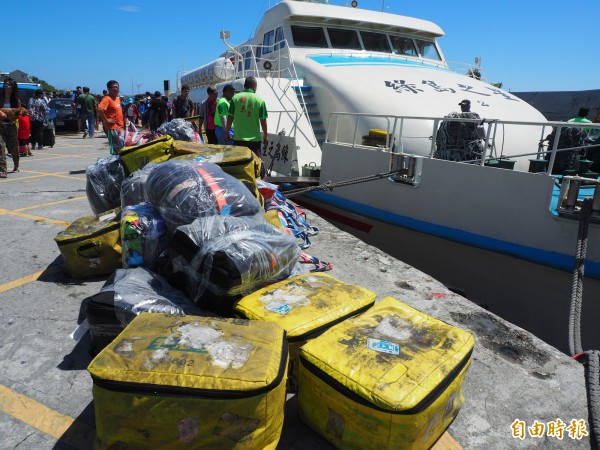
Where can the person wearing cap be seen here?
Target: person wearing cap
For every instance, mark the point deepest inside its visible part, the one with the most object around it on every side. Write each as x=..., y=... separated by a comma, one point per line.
x=158, y=112
x=222, y=112
x=207, y=115
x=87, y=105
x=248, y=114
x=465, y=106
x=131, y=111
x=183, y=106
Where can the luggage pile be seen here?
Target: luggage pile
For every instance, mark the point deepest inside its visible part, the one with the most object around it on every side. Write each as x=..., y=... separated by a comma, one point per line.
x=208, y=319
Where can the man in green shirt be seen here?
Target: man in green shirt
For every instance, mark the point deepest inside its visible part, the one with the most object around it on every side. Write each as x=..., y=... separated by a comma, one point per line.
x=248, y=114
x=582, y=118
x=87, y=104
x=222, y=112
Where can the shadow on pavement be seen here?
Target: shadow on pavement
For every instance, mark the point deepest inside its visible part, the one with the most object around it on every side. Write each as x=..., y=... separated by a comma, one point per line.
x=56, y=273
x=81, y=434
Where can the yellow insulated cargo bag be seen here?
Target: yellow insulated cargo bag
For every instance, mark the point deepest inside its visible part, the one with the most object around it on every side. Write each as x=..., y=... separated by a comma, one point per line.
x=91, y=246
x=191, y=382
x=159, y=150
x=390, y=378
x=305, y=306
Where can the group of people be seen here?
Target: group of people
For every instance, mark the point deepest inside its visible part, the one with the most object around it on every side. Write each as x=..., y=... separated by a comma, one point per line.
x=245, y=113
x=21, y=127
x=236, y=119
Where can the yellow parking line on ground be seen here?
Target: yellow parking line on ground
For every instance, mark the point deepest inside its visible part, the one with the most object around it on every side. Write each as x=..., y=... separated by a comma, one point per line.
x=36, y=218
x=8, y=180
x=53, y=174
x=58, y=202
x=37, y=415
x=20, y=282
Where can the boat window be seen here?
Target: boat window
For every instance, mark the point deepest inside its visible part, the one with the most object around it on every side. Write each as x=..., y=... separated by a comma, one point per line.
x=427, y=50
x=347, y=39
x=279, y=38
x=375, y=42
x=308, y=37
x=268, y=42
x=403, y=46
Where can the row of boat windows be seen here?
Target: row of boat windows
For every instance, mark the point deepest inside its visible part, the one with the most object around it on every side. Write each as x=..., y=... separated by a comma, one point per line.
x=347, y=39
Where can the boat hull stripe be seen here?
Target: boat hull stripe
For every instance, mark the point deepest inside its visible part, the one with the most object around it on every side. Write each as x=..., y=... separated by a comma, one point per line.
x=538, y=256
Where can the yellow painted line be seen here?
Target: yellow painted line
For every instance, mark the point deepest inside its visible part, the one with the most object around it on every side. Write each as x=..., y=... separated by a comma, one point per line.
x=20, y=282
x=8, y=180
x=58, y=202
x=33, y=217
x=41, y=417
x=53, y=174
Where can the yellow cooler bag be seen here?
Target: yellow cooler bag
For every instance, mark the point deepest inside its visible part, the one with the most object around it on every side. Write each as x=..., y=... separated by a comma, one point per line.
x=305, y=306
x=191, y=382
x=390, y=378
x=91, y=246
x=157, y=151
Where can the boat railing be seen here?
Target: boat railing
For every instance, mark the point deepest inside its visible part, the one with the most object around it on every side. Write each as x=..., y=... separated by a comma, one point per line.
x=395, y=137
x=277, y=64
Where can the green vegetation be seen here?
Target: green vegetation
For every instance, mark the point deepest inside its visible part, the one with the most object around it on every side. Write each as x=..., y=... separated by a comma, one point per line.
x=45, y=86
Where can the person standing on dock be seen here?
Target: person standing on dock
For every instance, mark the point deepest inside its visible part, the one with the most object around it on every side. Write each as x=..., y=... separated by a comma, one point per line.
x=582, y=118
x=248, y=114
x=183, y=106
x=111, y=113
x=207, y=114
x=222, y=112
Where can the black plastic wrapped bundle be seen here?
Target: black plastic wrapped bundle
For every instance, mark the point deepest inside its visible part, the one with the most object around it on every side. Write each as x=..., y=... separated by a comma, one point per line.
x=133, y=188
x=187, y=190
x=103, y=187
x=233, y=257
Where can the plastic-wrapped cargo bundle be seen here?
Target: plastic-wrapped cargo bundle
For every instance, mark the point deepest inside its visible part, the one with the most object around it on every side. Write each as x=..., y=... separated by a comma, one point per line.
x=144, y=237
x=234, y=256
x=187, y=190
x=128, y=293
x=103, y=187
x=133, y=188
x=178, y=129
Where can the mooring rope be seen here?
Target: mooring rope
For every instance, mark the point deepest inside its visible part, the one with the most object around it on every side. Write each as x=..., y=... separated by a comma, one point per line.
x=592, y=357
x=329, y=186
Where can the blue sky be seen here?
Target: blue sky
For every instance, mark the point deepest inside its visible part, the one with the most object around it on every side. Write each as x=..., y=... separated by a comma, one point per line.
x=526, y=44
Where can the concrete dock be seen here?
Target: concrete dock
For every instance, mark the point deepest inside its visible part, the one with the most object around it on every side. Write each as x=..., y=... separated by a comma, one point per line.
x=516, y=383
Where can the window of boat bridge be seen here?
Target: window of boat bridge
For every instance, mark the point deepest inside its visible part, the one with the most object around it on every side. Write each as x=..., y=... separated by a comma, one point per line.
x=309, y=37
x=346, y=39
x=427, y=50
x=403, y=46
x=375, y=42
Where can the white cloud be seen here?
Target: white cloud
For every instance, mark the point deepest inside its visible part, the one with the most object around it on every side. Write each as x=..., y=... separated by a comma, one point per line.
x=132, y=9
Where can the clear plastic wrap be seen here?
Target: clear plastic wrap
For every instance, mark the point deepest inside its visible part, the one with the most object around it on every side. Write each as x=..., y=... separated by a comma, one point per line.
x=141, y=290
x=103, y=186
x=187, y=190
x=133, y=187
x=143, y=237
x=179, y=129
x=236, y=256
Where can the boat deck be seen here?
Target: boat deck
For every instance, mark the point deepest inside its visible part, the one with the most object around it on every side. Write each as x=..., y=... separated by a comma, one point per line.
x=45, y=390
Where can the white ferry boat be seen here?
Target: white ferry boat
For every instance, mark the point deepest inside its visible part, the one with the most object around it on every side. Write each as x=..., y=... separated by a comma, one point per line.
x=356, y=92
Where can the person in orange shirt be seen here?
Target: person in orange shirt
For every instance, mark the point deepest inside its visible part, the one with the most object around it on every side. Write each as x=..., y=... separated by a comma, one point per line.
x=111, y=113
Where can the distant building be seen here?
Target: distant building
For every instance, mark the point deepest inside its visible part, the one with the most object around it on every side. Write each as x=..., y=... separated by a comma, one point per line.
x=18, y=75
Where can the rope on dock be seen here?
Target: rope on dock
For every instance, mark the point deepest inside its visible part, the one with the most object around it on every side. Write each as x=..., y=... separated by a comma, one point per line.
x=329, y=186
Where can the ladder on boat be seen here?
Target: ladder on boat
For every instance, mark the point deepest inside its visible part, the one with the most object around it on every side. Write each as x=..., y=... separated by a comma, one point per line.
x=311, y=110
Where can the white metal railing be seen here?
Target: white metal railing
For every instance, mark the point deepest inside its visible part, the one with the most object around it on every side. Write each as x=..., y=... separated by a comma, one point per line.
x=395, y=127
x=277, y=65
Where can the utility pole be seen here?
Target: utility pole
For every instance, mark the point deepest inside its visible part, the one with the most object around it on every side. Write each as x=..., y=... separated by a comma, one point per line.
x=138, y=87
